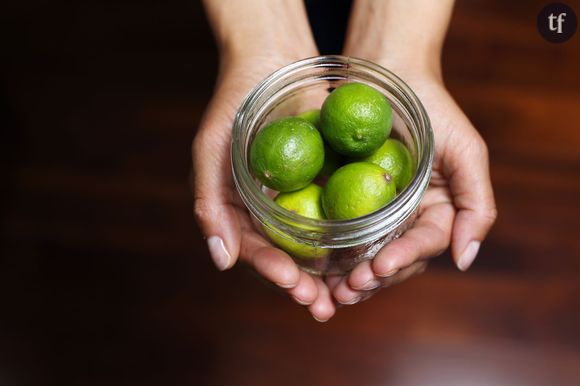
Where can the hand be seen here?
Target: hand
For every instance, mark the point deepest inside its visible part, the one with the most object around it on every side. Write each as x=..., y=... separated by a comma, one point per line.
x=458, y=207
x=406, y=37
x=248, y=54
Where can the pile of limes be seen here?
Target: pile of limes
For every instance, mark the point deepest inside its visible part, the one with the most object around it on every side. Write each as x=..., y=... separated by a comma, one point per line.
x=345, y=144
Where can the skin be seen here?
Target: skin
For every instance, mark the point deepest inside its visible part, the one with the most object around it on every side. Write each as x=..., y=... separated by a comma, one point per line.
x=458, y=209
x=239, y=30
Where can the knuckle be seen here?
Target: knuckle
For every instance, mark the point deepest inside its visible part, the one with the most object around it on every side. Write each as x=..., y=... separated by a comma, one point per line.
x=439, y=251
x=482, y=144
x=202, y=209
x=490, y=215
x=422, y=267
x=406, y=249
x=440, y=239
x=480, y=147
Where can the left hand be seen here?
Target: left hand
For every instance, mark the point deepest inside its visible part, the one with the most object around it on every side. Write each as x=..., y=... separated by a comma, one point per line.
x=458, y=207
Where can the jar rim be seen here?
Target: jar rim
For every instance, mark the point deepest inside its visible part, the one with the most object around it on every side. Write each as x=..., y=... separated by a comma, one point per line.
x=404, y=203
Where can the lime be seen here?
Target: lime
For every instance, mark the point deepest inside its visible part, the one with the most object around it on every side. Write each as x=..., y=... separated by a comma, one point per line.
x=355, y=119
x=357, y=189
x=287, y=154
x=395, y=158
x=305, y=202
x=312, y=116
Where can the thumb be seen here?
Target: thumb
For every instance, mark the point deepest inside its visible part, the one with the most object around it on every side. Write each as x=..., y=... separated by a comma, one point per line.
x=467, y=167
x=213, y=188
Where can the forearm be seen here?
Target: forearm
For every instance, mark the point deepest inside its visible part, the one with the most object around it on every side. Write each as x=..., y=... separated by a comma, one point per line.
x=260, y=28
x=401, y=32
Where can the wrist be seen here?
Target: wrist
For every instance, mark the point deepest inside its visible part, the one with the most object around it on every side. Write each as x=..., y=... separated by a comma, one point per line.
x=252, y=48
x=413, y=65
x=405, y=36
x=253, y=28
x=407, y=64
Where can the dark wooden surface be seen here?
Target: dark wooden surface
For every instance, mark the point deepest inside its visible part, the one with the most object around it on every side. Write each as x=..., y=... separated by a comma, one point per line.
x=105, y=280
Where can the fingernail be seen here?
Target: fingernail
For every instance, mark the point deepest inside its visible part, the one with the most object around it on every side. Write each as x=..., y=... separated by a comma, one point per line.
x=468, y=255
x=285, y=285
x=219, y=253
x=354, y=300
x=301, y=302
x=389, y=273
x=319, y=320
x=370, y=285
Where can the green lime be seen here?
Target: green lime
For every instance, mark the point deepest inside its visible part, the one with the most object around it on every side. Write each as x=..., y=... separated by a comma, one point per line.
x=287, y=154
x=355, y=119
x=312, y=116
x=357, y=189
x=305, y=202
x=395, y=158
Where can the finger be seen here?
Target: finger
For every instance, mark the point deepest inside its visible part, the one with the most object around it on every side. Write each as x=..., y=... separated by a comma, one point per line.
x=369, y=294
x=323, y=307
x=405, y=273
x=306, y=291
x=332, y=281
x=273, y=264
x=468, y=171
x=344, y=294
x=276, y=266
x=428, y=237
x=343, y=291
x=363, y=278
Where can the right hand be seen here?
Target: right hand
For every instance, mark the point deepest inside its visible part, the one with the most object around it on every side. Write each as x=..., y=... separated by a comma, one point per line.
x=223, y=218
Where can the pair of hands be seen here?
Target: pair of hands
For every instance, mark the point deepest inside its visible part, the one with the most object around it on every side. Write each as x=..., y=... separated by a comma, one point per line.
x=458, y=208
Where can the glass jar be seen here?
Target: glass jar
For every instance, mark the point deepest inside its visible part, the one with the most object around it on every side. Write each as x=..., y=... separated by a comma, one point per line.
x=337, y=246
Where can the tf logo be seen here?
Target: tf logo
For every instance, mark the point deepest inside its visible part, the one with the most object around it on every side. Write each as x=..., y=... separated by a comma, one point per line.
x=557, y=22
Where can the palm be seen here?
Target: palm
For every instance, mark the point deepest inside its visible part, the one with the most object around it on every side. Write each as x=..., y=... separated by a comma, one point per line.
x=214, y=188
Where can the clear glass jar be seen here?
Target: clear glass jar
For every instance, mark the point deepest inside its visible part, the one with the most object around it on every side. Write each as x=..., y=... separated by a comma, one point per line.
x=337, y=245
